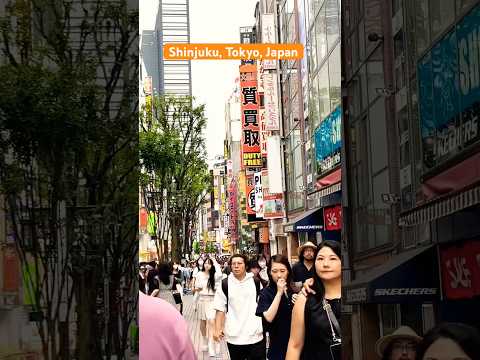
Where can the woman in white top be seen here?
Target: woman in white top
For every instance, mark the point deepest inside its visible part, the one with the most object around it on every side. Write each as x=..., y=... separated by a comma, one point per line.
x=207, y=281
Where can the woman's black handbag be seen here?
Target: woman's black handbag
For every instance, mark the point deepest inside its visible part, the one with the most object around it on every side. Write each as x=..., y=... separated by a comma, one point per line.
x=176, y=294
x=336, y=347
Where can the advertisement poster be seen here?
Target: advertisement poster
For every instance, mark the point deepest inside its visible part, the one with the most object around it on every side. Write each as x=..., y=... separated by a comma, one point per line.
x=258, y=194
x=273, y=203
x=449, y=104
x=328, y=142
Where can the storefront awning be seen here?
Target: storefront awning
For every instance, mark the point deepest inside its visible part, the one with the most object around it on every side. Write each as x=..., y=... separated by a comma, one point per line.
x=441, y=207
x=410, y=276
x=311, y=220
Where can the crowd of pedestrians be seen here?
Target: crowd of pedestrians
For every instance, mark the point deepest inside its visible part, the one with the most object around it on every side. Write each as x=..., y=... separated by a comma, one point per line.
x=271, y=310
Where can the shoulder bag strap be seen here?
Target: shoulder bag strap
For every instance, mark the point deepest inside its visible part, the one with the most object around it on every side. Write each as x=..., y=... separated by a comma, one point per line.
x=332, y=319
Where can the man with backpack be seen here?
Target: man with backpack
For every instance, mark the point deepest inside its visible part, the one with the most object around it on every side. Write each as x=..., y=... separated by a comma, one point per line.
x=235, y=303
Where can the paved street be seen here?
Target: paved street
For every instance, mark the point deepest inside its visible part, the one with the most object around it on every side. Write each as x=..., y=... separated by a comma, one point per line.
x=194, y=328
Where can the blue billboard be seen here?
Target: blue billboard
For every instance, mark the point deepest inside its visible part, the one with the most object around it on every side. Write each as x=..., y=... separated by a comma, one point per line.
x=449, y=92
x=328, y=142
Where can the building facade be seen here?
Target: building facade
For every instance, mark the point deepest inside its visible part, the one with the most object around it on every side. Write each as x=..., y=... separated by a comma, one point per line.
x=410, y=100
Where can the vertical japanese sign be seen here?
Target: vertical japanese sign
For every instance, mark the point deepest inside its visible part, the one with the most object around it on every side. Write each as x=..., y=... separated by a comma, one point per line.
x=251, y=153
x=258, y=194
x=250, y=192
x=261, y=110
x=233, y=210
x=268, y=37
x=271, y=102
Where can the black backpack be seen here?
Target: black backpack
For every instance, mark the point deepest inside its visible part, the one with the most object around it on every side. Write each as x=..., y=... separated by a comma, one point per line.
x=225, y=288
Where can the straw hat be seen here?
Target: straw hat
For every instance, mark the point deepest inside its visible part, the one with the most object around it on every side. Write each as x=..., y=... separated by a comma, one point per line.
x=403, y=332
x=307, y=244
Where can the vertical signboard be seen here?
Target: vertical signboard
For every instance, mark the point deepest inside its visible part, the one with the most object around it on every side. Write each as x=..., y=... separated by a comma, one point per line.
x=328, y=142
x=250, y=193
x=258, y=194
x=268, y=37
x=273, y=205
x=251, y=153
x=449, y=92
x=272, y=122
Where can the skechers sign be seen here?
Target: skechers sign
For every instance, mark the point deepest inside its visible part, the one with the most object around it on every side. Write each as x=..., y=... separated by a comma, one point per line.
x=328, y=142
x=449, y=89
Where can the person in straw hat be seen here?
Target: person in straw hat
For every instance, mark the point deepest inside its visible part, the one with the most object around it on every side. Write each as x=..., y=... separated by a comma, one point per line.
x=399, y=345
x=303, y=269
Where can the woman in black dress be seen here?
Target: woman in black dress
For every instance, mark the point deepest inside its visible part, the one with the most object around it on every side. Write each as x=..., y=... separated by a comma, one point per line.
x=312, y=335
x=275, y=306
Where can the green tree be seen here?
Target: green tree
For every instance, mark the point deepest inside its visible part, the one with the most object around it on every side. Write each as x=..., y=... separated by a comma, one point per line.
x=68, y=165
x=173, y=158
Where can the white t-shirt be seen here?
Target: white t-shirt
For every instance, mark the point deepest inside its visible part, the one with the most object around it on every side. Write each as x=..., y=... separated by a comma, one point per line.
x=201, y=282
x=242, y=326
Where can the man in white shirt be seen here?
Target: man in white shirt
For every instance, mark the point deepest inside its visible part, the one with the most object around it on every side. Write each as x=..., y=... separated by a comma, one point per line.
x=236, y=320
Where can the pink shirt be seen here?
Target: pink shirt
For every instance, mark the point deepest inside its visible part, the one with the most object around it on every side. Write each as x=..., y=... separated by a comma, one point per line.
x=163, y=331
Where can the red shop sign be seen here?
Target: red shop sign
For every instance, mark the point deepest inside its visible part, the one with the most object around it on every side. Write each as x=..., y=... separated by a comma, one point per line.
x=333, y=218
x=461, y=270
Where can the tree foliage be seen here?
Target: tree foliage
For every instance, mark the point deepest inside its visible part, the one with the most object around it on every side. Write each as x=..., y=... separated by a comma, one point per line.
x=69, y=164
x=173, y=159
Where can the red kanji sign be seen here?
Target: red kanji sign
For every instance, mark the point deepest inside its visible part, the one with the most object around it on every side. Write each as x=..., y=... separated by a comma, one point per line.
x=333, y=218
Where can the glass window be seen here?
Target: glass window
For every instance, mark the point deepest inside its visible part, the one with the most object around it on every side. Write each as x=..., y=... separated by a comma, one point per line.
x=335, y=77
x=378, y=137
x=313, y=103
x=388, y=313
x=363, y=87
x=361, y=41
x=321, y=35
x=297, y=161
x=381, y=186
x=442, y=14
x=375, y=79
x=323, y=91
x=382, y=237
x=312, y=54
x=422, y=25
x=333, y=23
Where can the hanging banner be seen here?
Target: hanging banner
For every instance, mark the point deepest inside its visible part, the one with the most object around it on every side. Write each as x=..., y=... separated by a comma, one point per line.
x=268, y=37
x=258, y=194
x=333, y=218
x=274, y=164
x=273, y=204
x=272, y=121
x=250, y=151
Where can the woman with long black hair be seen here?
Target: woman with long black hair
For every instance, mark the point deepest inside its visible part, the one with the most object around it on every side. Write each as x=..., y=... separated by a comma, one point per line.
x=315, y=330
x=207, y=281
x=169, y=289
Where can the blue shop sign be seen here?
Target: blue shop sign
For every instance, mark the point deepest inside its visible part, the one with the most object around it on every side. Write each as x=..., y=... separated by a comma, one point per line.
x=449, y=92
x=328, y=142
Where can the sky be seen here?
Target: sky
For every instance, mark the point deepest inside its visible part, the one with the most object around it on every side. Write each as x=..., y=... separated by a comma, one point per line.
x=211, y=21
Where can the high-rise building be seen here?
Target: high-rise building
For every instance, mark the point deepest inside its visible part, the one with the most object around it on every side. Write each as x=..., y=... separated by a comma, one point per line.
x=172, y=25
